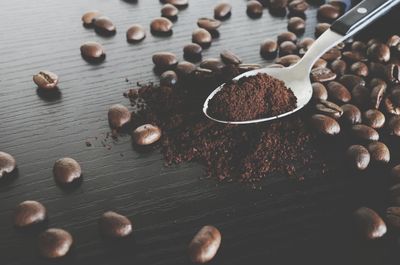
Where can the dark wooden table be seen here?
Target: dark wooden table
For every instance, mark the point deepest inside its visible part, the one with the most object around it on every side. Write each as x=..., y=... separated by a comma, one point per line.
x=283, y=222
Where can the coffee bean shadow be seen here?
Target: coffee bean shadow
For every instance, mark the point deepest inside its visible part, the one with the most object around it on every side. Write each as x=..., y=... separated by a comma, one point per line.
x=145, y=149
x=193, y=59
x=253, y=16
x=297, y=14
x=68, y=259
x=214, y=34
x=228, y=16
x=120, y=247
x=161, y=34
x=278, y=12
x=94, y=61
x=159, y=70
x=104, y=33
x=9, y=178
x=70, y=187
x=172, y=19
x=134, y=2
x=49, y=95
x=88, y=26
x=34, y=229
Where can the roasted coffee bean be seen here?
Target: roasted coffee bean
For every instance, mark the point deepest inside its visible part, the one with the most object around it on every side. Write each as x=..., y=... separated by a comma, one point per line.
x=114, y=225
x=268, y=49
x=178, y=3
x=66, y=170
x=192, y=52
x=288, y=60
x=350, y=81
x=353, y=57
x=92, y=52
x=305, y=44
x=169, y=11
x=204, y=244
x=359, y=68
x=390, y=107
x=320, y=63
x=332, y=54
x=392, y=73
x=278, y=7
x=394, y=125
x=118, y=116
x=372, y=41
x=364, y=132
x=369, y=224
x=168, y=78
x=361, y=96
x=393, y=41
x=358, y=157
x=161, y=25
x=328, y=13
x=88, y=17
x=329, y=109
x=395, y=174
x=319, y=92
x=164, y=60
x=342, y=6
x=209, y=24
x=374, y=118
x=296, y=25
x=287, y=47
x=244, y=67
x=322, y=75
x=351, y=114
x=379, y=152
x=376, y=96
x=286, y=36
x=7, y=164
x=377, y=82
x=379, y=52
x=393, y=217
x=325, y=124
x=339, y=67
x=104, y=26
x=395, y=95
x=228, y=57
x=55, y=243
x=185, y=68
x=222, y=10
x=338, y=92
x=359, y=46
x=29, y=213
x=201, y=37
x=321, y=28
x=146, y=134
x=377, y=70
x=135, y=33
x=297, y=7
x=212, y=64
x=254, y=9
x=46, y=80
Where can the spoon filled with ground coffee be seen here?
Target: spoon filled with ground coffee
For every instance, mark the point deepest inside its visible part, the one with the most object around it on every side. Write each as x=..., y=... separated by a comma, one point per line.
x=271, y=93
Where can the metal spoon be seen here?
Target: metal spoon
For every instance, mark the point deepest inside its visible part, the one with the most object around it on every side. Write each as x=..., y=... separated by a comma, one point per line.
x=296, y=77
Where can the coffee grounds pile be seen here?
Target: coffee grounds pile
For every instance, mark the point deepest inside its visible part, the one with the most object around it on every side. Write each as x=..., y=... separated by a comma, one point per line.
x=229, y=152
x=252, y=98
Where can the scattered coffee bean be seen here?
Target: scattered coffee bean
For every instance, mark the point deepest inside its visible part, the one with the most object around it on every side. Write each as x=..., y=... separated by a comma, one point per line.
x=118, y=116
x=55, y=243
x=394, y=125
x=254, y=9
x=288, y=60
x=379, y=152
x=286, y=48
x=114, y=225
x=369, y=223
x=268, y=49
x=350, y=81
x=161, y=26
x=164, y=60
x=320, y=63
x=297, y=7
x=205, y=244
x=7, y=164
x=332, y=54
x=351, y=114
x=168, y=78
x=376, y=96
x=212, y=64
x=322, y=75
x=192, y=52
x=286, y=36
x=135, y=33
x=178, y=3
x=339, y=67
x=222, y=11
x=46, y=80
x=359, y=68
x=328, y=13
x=88, y=17
x=393, y=217
x=228, y=57
x=360, y=95
x=146, y=134
x=325, y=125
x=66, y=170
x=329, y=109
x=209, y=24
x=305, y=44
x=321, y=28
x=296, y=25
x=201, y=37
x=319, y=92
x=374, y=118
x=104, y=26
x=92, y=52
x=364, y=132
x=185, y=69
x=29, y=213
x=338, y=92
x=358, y=157
x=169, y=11
x=379, y=52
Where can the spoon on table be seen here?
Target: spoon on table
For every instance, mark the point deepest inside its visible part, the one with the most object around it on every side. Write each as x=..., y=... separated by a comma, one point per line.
x=296, y=77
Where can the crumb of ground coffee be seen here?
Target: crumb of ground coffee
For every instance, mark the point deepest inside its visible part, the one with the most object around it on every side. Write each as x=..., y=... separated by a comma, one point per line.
x=250, y=98
x=229, y=152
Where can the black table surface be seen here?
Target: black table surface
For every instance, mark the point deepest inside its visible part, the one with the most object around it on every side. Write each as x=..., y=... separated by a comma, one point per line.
x=281, y=222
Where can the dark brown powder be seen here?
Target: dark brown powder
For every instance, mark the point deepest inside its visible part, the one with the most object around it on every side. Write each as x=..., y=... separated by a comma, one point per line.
x=250, y=98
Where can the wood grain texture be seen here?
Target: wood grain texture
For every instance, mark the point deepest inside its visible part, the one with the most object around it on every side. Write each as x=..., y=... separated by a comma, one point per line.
x=284, y=222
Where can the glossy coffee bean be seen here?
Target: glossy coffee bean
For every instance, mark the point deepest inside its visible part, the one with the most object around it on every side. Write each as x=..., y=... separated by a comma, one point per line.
x=88, y=17
x=364, y=132
x=350, y=81
x=321, y=28
x=358, y=157
x=339, y=67
x=114, y=225
x=228, y=57
x=379, y=152
x=319, y=92
x=104, y=26
x=392, y=73
x=395, y=174
x=28, y=213
x=202, y=37
x=325, y=124
x=146, y=134
x=296, y=25
x=7, y=164
x=268, y=49
x=394, y=125
x=164, y=60
x=359, y=46
x=374, y=118
x=332, y=54
x=329, y=109
x=192, y=52
x=185, y=69
x=161, y=25
x=338, y=92
x=353, y=57
x=359, y=68
x=168, y=78
x=360, y=96
x=205, y=244
x=373, y=41
x=391, y=107
x=287, y=47
x=212, y=64
x=288, y=60
x=254, y=9
x=66, y=170
x=322, y=75
x=178, y=3
x=92, y=52
x=135, y=33
x=393, y=41
x=209, y=24
x=222, y=10
x=369, y=224
x=393, y=217
x=328, y=13
x=278, y=7
x=305, y=44
x=298, y=7
x=286, y=36
x=169, y=11
x=118, y=116
x=55, y=243
x=320, y=63
x=379, y=52
x=46, y=80
x=351, y=114
x=377, y=82
x=376, y=96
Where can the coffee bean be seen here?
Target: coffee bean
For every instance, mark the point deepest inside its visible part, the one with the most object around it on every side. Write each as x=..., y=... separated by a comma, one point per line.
x=319, y=92
x=379, y=152
x=339, y=67
x=297, y=7
x=278, y=7
x=374, y=118
x=342, y=6
x=178, y=3
x=364, y=132
x=169, y=11
x=254, y=9
x=353, y=57
x=320, y=63
x=88, y=17
x=29, y=213
x=104, y=26
x=377, y=82
x=390, y=107
x=55, y=243
x=288, y=60
x=393, y=217
x=287, y=47
x=168, y=78
x=393, y=41
x=222, y=11
x=114, y=225
x=161, y=26
x=244, y=67
x=296, y=25
x=369, y=223
x=329, y=109
x=228, y=57
x=192, y=52
x=350, y=81
x=372, y=41
x=394, y=125
x=146, y=134
x=338, y=92
x=92, y=52
x=135, y=33
x=46, y=80
x=205, y=244
x=328, y=13
x=212, y=64
x=332, y=54
x=395, y=174
x=7, y=164
x=118, y=116
x=164, y=60
x=325, y=125
x=322, y=75
x=376, y=96
x=351, y=114
x=286, y=36
x=361, y=96
x=305, y=44
x=268, y=49
x=359, y=46
x=209, y=24
x=359, y=68
x=392, y=73
x=321, y=28
x=66, y=170
x=201, y=37
x=185, y=69
x=377, y=70
x=379, y=52
x=358, y=157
